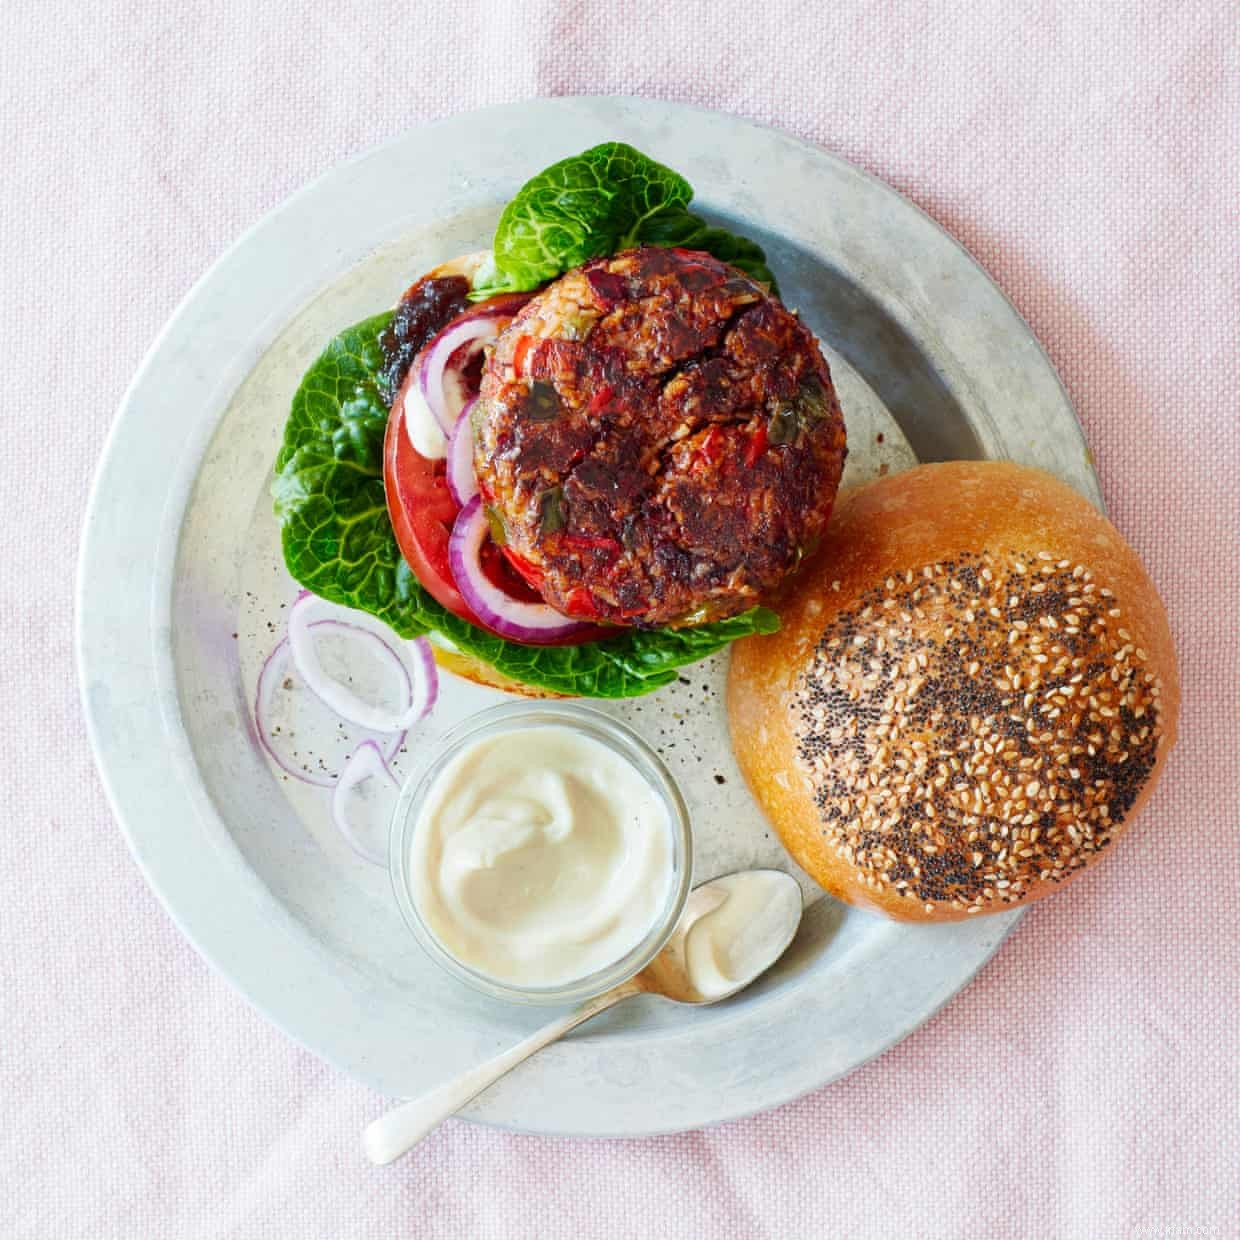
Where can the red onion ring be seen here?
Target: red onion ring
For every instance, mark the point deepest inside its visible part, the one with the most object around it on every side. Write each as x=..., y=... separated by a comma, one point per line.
x=462, y=481
x=423, y=681
x=365, y=762
x=526, y=622
x=269, y=679
x=440, y=383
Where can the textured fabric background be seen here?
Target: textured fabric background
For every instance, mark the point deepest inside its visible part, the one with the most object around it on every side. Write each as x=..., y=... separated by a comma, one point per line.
x=1087, y=1084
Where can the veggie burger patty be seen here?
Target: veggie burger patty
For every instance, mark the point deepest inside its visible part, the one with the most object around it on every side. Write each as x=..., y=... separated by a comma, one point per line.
x=658, y=440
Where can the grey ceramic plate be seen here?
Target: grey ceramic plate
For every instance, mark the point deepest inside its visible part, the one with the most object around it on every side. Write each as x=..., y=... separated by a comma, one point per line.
x=181, y=579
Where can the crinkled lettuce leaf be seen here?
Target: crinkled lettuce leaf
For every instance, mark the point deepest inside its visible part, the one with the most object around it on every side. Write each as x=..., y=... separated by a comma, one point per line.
x=602, y=201
x=338, y=542
x=691, y=232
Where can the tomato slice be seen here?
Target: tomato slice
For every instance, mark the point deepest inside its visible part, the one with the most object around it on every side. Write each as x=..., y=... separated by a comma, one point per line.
x=422, y=511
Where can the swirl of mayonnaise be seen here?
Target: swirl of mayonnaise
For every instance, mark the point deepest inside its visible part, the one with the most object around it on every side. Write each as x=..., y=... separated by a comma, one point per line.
x=540, y=856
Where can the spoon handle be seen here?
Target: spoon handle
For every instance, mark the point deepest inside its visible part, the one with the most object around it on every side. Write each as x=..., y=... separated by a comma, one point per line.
x=397, y=1132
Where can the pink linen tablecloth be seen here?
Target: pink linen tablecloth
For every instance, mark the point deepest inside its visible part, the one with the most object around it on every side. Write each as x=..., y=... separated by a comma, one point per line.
x=1088, y=1084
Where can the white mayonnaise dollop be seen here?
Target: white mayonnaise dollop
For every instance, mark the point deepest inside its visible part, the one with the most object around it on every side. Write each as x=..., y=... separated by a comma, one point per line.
x=421, y=427
x=539, y=856
x=743, y=935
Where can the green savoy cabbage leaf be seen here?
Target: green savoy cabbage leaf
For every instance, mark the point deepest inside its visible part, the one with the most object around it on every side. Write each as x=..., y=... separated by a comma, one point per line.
x=602, y=201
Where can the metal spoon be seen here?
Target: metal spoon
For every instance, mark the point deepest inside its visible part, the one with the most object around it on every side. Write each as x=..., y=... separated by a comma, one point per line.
x=670, y=975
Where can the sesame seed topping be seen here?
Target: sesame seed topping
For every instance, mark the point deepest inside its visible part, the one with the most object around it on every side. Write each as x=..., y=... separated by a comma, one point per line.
x=1015, y=721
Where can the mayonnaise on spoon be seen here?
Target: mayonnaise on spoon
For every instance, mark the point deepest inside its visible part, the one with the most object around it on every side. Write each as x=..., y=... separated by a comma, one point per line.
x=732, y=930
x=736, y=941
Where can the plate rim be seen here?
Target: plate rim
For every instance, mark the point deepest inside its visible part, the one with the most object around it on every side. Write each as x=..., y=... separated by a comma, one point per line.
x=92, y=653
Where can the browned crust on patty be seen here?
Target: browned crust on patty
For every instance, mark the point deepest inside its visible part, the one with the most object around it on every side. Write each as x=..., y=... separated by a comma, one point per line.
x=660, y=437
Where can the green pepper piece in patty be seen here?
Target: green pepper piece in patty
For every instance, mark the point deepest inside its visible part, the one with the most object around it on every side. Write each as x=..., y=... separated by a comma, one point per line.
x=785, y=424
x=495, y=522
x=543, y=404
x=811, y=401
x=551, y=511
x=806, y=408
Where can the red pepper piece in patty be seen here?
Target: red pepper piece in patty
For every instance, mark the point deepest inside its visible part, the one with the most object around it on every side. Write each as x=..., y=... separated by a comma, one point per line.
x=593, y=542
x=530, y=573
x=524, y=345
x=711, y=447
x=602, y=398
x=502, y=574
x=580, y=603
x=756, y=445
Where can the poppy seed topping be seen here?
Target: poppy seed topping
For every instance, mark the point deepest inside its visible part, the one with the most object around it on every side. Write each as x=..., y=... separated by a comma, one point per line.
x=977, y=725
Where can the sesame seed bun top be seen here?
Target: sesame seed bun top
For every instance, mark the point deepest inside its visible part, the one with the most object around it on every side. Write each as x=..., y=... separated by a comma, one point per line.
x=973, y=692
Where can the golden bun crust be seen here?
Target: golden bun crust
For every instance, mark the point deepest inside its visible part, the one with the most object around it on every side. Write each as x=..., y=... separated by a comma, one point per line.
x=473, y=668
x=973, y=692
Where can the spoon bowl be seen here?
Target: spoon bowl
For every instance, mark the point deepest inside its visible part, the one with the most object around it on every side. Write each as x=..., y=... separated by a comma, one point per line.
x=732, y=930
